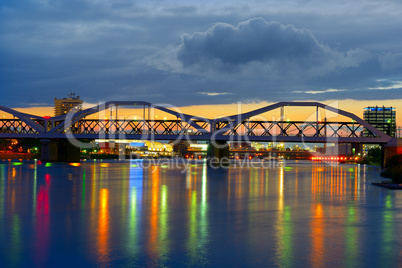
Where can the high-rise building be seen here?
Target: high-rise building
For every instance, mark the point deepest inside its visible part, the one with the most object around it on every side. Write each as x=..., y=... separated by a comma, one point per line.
x=64, y=105
x=382, y=118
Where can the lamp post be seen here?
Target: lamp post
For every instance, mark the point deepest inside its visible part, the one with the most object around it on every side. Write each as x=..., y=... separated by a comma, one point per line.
x=389, y=127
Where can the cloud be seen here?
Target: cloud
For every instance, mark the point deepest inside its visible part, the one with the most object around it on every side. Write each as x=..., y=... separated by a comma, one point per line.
x=252, y=40
x=213, y=93
x=391, y=61
x=319, y=91
x=393, y=85
x=269, y=43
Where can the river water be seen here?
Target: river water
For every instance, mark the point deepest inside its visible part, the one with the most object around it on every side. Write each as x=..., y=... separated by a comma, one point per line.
x=142, y=214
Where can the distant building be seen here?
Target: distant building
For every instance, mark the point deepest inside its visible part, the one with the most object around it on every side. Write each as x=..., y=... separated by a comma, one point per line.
x=382, y=118
x=64, y=105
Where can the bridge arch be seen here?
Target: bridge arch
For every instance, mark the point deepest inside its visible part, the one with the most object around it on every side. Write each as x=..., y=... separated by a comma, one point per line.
x=70, y=119
x=237, y=119
x=55, y=126
x=34, y=123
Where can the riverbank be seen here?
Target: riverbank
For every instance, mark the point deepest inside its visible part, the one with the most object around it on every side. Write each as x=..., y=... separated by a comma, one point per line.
x=19, y=156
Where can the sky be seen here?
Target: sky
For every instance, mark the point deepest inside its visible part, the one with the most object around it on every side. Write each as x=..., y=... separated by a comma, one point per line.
x=192, y=53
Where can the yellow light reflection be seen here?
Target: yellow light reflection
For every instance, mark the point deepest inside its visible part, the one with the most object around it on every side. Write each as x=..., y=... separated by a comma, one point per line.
x=317, y=236
x=103, y=229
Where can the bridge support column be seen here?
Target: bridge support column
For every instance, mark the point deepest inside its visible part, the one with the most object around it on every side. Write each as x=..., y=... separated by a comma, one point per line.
x=218, y=154
x=390, y=149
x=60, y=150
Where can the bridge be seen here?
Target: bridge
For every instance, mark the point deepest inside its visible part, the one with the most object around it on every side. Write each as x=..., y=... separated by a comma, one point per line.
x=249, y=126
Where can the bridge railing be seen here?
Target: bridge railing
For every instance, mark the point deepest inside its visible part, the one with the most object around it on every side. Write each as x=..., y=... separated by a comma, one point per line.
x=17, y=126
x=293, y=128
x=136, y=127
x=176, y=127
x=235, y=127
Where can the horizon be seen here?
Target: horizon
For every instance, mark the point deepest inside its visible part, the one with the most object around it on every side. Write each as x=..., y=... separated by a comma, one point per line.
x=200, y=53
x=212, y=111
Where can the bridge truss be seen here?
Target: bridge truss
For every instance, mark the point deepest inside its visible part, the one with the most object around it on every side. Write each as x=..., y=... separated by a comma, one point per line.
x=239, y=127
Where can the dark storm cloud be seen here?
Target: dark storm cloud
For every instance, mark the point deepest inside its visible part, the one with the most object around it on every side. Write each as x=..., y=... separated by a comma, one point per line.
x=257, y=40
x=266, y=60
x=252, y=40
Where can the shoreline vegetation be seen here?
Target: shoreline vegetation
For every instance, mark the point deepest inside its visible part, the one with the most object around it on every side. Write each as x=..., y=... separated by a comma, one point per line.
x=393, y=169
x=373, y=157
x=19, y=156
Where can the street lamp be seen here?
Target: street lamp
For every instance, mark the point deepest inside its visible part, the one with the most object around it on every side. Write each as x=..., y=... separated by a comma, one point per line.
x=389, y=127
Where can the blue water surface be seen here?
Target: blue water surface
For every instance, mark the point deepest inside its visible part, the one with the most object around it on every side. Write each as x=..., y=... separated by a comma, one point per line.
x=159, y=214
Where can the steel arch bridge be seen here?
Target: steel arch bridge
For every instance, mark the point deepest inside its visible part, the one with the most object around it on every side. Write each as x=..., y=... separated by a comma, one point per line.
x=238, y=127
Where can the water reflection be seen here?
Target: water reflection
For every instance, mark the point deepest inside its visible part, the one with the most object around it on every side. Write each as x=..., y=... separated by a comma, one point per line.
x=153, y=219
x=351, y=238
x=283, y=227
x=16, y=240
x=42, y=222
x=135, y=188
x=317, y=236
x=126, y=213
x=103, y=227
x=387, y=229
x=197, y=216
x=3, y=185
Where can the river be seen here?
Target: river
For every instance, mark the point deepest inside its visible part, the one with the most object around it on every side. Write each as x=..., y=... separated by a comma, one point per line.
x=135, y=213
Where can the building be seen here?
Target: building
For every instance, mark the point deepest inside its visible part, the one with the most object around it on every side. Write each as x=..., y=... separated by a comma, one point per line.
x=64, y=105
x=382, y=118
x=135, y=148
x=341, y=149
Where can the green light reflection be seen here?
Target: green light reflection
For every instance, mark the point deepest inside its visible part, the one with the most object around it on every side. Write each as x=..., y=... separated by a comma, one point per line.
x=284, y=238
x=198, y=224
x=387, y=231
x=203, y=211
x=204, y=185
x=133, y=224
x=15, y=246
x=163, y=222
x=351, y=236
x=284, y=229
x=193, y=235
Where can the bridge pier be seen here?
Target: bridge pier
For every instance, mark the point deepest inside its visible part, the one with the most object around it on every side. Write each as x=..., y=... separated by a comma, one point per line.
x=60, y=150
x=218, y=154
x=390, y=149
